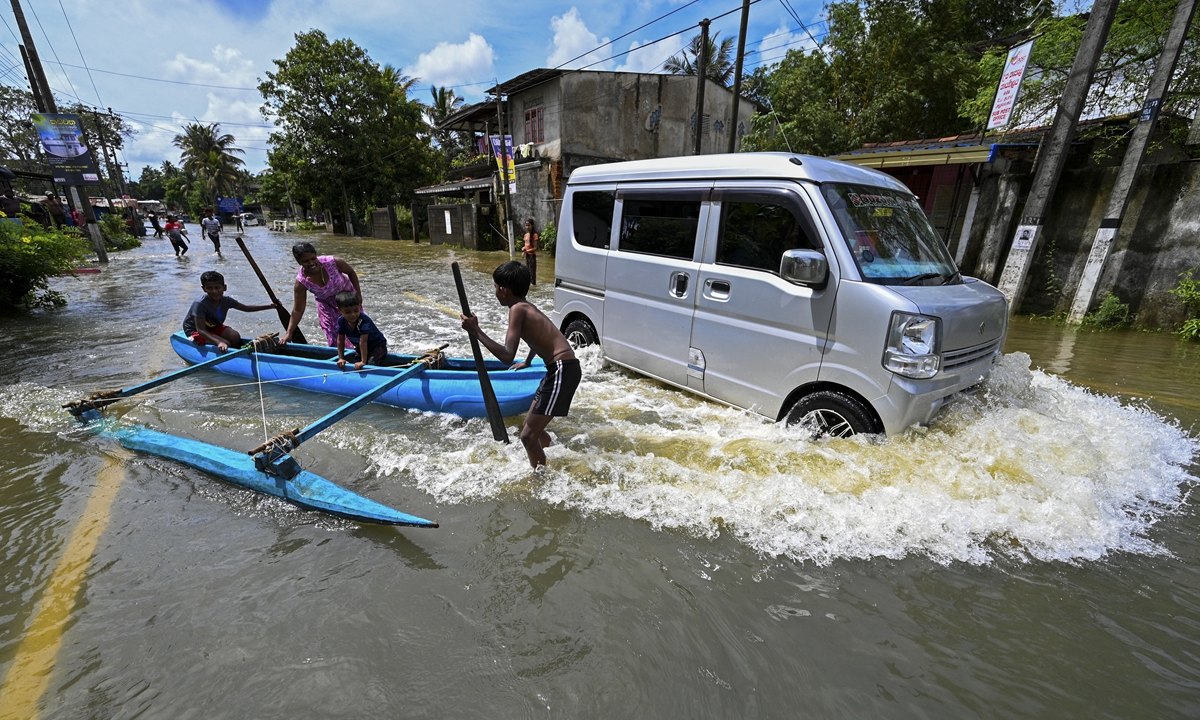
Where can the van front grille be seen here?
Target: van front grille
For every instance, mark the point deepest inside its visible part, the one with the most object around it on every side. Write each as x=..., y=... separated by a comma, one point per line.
x=958, y=358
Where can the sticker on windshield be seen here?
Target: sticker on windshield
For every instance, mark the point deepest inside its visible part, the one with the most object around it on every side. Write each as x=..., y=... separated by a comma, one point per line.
x=882, y=212
x=880, y=201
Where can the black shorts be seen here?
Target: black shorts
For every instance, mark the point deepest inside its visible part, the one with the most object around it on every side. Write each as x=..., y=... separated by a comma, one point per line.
x=375, y=354
x=557, y=390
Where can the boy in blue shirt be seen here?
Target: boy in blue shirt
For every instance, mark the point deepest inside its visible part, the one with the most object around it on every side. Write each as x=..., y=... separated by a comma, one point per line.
x=361, y=331
x=205, y=321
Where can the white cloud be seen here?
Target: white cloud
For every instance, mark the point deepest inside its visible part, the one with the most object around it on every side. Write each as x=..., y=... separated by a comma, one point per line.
x=647, y=59
x=572, y=39
x=455, y=64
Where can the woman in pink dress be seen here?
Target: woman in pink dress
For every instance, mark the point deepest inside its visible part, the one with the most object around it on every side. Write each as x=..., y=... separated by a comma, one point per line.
x=324, y=277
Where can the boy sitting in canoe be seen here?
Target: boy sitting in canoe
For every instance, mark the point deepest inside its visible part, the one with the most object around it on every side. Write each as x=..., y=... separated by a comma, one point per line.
x=360, y=330
x=205, y=321
x=526, y=322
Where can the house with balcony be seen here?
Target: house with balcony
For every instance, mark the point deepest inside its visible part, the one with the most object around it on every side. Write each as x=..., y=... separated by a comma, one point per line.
x=561, y=120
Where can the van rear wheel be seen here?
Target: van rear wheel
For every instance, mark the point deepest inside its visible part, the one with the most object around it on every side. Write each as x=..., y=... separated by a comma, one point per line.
x=829, y=413
x=580, y=333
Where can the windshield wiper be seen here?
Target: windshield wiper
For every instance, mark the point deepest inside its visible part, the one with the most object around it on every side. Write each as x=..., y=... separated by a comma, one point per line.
x=923, y=276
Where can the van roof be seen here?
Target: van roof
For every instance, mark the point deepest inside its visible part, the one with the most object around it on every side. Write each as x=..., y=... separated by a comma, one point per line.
x=727, y=166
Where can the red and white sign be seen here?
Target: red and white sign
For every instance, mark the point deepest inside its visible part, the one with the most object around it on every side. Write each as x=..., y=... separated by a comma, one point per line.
x=1010, y=85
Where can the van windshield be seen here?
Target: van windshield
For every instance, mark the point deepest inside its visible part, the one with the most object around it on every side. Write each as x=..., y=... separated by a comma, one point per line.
x=889, y=236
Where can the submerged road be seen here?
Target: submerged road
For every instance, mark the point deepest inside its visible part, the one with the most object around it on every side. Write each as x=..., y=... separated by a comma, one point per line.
x=1033, y=552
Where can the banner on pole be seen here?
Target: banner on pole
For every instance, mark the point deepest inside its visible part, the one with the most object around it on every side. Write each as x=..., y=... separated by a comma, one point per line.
x=62, y=139
x=1010, y=85
x=511, y=175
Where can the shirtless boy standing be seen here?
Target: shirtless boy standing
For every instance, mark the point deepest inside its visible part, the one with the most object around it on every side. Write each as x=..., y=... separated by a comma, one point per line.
x=526, y=322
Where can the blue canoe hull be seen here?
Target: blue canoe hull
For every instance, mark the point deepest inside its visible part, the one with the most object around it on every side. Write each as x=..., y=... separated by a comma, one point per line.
x=306, y=490
x=454, y=389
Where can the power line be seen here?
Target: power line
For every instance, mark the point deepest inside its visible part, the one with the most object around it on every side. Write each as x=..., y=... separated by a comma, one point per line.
x=621, y=37
x=80, y=51
x=161, y=80
x=45, y=35
x=791, y=11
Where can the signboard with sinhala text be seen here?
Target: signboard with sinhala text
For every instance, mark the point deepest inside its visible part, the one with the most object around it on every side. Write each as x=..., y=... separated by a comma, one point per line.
x=1010, y=85
x=69, y=158
x=229, y=205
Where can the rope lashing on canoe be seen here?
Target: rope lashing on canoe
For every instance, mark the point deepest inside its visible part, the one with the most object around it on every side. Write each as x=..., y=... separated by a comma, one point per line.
x=282, y=443
x=95, y=401
x=433, y=358
x=270, y=343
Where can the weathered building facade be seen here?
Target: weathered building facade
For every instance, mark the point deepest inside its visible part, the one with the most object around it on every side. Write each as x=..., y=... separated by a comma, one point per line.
x=561, y=120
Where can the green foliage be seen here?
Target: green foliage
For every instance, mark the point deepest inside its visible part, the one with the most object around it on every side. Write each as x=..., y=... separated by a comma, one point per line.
x=718, y=59
x=549, y=239
x=1111, y=315
x=209, y=157
x=29, y=256
x=345, y=125
x=116, y=233
x=1188, y=292
x=1130, y=53
x=404, y=221
x=308, y=226
x=887, y=70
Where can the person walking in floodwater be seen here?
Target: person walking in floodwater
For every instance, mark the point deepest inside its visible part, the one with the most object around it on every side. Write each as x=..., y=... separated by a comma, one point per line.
x=211, y=226
x=530, y=250
x=324, y=276
x=158, y=229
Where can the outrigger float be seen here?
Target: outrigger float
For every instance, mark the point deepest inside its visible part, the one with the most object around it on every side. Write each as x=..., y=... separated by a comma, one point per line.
x=269, y=468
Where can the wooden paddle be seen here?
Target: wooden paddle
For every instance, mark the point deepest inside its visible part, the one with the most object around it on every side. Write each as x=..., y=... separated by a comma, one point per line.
x=284, y=316
x=499, y=432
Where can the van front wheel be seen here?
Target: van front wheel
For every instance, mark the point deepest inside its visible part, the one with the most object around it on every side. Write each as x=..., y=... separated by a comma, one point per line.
x=580, y=333
x=829, y=413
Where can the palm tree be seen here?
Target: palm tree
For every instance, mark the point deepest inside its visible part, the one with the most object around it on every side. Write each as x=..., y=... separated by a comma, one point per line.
x=209, y=156
x=719, y=66
x=445, y=103
x=397, y=80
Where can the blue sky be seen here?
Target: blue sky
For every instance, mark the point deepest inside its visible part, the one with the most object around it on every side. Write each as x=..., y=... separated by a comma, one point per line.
x=231, y=43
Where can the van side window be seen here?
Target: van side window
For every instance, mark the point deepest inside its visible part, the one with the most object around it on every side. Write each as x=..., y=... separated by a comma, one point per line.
x=659, y=227
x=592, y=217
x=756, y=234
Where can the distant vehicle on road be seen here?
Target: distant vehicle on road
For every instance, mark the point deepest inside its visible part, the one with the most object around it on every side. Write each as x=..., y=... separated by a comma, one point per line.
x=249, y=219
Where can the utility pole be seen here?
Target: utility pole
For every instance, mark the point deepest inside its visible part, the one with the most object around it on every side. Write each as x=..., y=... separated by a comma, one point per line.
x=40, y=87
x=737, y=77
x=38, y=101
x=701, y=69
x=512, y=247
x=1132, y=162
x=1053, y=153
x=113, y=150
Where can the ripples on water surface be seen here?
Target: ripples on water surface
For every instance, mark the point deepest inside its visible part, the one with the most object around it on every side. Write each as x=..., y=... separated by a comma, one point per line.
x=675, y=548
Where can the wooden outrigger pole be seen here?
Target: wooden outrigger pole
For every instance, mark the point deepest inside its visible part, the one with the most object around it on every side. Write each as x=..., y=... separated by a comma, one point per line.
x=268, y=468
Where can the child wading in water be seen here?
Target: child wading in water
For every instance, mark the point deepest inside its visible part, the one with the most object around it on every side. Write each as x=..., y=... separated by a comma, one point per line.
x=362, y=333
x=526, y=322
x=205, y=321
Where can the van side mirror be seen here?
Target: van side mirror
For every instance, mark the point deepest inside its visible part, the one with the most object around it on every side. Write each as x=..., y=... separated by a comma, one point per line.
x=804, y=267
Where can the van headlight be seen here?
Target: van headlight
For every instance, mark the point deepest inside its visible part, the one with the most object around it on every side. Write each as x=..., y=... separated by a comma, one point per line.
x=912, y=346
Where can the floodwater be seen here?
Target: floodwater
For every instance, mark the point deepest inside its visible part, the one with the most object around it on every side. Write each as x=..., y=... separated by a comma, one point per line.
x=1033, y=553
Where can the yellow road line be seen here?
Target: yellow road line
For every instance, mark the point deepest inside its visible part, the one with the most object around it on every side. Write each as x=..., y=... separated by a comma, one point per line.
x=29, y=674
x=449, y=311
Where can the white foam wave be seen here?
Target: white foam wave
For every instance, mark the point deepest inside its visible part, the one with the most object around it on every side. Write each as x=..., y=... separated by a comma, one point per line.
x=1033, y=467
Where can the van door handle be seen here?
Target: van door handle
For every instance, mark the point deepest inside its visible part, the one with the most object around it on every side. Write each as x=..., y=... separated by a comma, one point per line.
x=720, y=286
x=679, y=284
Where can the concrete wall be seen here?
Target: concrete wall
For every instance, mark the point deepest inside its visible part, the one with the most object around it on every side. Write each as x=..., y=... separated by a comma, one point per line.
x=1159, y=239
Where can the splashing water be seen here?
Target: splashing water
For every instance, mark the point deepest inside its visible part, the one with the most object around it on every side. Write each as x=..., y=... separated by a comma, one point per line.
x=1033, y=468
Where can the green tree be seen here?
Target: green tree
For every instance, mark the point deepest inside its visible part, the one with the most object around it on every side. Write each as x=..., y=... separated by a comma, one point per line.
x=445, y=103
x=210, y=157
x=347, y=136
x=719, y=61
x=1134, y=43
x=887, y=70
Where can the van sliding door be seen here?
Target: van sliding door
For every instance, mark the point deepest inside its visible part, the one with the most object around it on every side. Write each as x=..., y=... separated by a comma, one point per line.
x=758, y=336
x=651, y=276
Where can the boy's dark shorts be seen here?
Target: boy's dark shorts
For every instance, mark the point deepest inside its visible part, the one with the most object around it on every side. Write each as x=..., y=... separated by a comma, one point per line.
x=557, y=390
x=376, y=354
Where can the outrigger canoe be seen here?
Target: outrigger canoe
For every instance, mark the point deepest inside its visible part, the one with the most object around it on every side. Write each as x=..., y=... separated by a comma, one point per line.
x=453, y=389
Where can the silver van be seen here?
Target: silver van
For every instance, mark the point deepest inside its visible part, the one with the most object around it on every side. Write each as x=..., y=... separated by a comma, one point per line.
x=801, y=288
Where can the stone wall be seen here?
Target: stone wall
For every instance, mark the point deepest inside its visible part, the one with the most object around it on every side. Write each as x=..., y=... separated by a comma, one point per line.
x=1159, y=239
